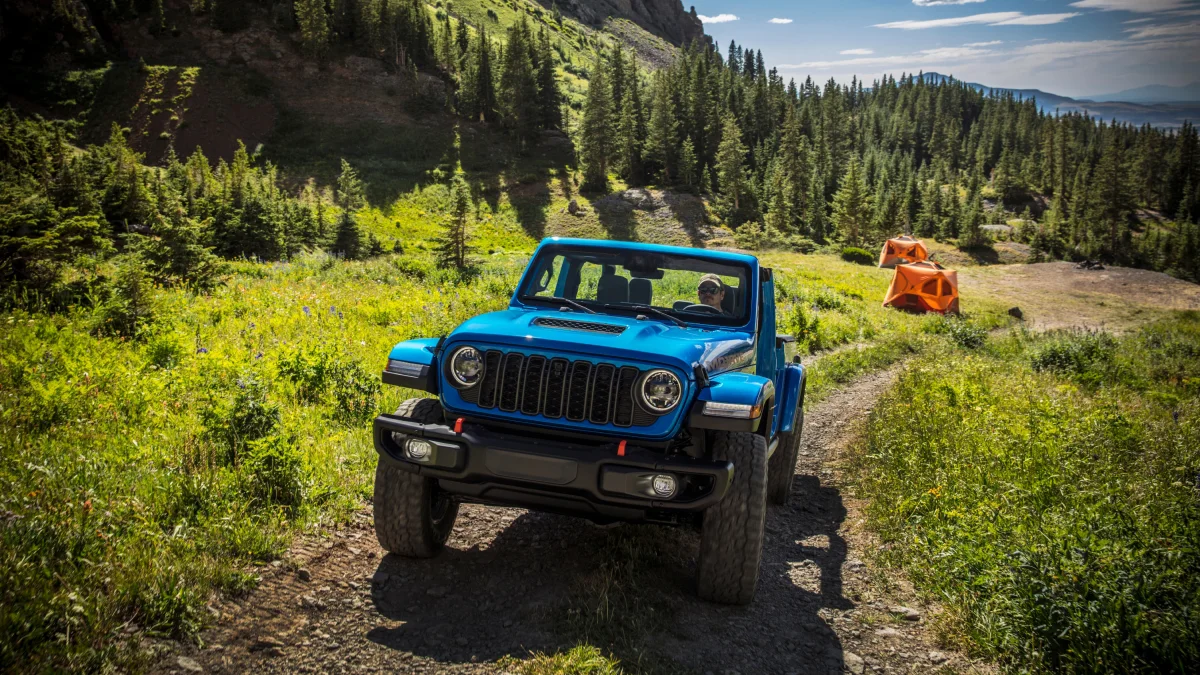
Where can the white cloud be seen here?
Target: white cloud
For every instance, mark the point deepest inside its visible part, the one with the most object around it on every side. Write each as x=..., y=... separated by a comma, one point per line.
x=856, y=52
x=937, y=3
x=993, y=43
x=1169, y=30
x=1142, y=6
x=1133, y=21
x=989, y=18
x=1037, y=19
x=720, y=18
x=925, y=56
x=780, y=21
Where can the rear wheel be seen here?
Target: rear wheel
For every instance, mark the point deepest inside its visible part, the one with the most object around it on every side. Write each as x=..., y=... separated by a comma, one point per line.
x=413, y=517
x=731, y=537
x=782, y=466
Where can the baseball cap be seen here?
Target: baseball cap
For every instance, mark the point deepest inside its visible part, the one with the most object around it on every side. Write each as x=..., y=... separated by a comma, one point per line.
x=711, y=278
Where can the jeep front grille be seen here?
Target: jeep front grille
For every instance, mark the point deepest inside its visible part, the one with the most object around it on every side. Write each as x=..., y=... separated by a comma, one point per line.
x=556, y=388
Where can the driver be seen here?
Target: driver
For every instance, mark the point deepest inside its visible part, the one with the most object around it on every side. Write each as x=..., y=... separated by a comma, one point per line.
x=711, y=292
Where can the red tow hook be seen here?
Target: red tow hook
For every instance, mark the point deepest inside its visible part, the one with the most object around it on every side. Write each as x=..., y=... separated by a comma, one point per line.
x=621, y=449
x=458, y=425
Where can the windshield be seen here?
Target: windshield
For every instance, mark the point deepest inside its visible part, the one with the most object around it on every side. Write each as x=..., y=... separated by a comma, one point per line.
x=689, y=288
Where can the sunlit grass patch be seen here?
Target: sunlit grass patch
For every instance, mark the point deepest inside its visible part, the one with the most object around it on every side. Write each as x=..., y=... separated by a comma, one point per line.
x=1046, y=488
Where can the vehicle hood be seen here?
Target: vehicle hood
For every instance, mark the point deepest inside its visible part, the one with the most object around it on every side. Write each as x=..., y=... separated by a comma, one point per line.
x=651, y=341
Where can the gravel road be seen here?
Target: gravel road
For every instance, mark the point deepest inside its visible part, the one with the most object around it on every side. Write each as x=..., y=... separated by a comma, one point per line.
x=509, y=581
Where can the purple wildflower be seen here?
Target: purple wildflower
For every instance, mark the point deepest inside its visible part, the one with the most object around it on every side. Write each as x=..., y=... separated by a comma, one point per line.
x=340, y=315
x=201, y=350
x=251, y=326
x=307, y=311
x=332, y=309
x=258, y=356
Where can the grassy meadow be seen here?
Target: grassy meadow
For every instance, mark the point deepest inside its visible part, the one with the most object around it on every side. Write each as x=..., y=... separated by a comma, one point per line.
x=140, y=475
x=1044, y=490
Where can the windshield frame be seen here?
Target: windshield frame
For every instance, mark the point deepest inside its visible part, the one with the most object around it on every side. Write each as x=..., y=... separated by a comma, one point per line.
x=524, y=298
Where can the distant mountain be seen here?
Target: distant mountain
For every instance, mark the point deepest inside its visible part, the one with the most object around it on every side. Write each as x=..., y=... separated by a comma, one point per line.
x=1159, y=114
x=1154, y=93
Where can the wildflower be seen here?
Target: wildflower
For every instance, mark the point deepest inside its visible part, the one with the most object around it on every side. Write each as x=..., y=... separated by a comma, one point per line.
x=258, y=356
x=201, y=350
x=332, y=309
x=340, y=315
x=251, y=326
x=307, y=311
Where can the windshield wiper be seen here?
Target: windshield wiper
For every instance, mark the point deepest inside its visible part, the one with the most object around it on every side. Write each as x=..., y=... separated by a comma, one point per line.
x=647, y=308
x=565, y=301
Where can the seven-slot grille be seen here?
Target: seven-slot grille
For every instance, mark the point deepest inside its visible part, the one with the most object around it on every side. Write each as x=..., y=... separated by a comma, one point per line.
x=557, y=388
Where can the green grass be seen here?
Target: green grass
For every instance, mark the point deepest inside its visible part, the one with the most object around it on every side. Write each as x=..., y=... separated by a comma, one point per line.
x=138, y=476
x=1044, y=489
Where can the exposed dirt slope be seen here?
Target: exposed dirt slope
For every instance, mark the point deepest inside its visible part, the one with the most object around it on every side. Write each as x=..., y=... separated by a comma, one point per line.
x=507, y=577
x=1060, y=295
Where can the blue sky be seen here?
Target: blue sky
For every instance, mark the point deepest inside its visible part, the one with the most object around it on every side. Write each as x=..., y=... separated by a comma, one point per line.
x=1068, y=47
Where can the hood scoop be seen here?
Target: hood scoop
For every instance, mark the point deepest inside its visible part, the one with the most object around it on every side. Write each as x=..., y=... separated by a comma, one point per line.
x=570, y=324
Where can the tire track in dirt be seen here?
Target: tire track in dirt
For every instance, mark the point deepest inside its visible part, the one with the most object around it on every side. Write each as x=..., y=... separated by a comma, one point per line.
x=501, y=585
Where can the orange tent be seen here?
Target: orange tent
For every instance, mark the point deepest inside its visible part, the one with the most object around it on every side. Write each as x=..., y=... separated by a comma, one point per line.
x=902, y=250
x=925, y=287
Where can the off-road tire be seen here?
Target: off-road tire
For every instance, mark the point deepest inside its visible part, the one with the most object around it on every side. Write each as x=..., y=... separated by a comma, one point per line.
x=782, y=467
x=731, y=538
x=412, y=517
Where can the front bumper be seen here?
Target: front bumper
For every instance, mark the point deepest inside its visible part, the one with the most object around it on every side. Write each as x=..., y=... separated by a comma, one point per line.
x=582, y=479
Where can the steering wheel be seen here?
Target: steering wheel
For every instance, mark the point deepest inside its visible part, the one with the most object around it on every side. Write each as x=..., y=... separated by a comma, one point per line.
x=703, y=309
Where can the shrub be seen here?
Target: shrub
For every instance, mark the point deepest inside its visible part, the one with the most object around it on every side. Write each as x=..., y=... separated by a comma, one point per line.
x=129, y=304
x=857, y=256
x=356, y=395
x=1082, y=354
x=959, y=330
x=310, y=370
x=245, y=417
x=276, y=472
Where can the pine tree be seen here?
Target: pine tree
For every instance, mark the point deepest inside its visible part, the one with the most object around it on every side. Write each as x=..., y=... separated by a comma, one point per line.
x=314, y=26
x=689, y=167
x=453, y=246
x=662, y=131
x=595, y=141
x=351, y=197
x=549, y=95
x=520, y=105
x=731, y=172
x=631, y=134
x=851, y=205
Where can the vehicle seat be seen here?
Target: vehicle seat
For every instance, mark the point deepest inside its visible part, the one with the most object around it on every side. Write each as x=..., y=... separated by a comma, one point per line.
x=612, y=288
x=731, y=301
x=641, y=292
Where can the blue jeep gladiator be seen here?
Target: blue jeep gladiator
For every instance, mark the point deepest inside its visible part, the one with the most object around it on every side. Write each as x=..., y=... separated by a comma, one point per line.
x=625, y=382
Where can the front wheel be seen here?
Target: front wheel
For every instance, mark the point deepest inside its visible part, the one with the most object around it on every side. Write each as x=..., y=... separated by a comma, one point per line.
x=413, y=517
x=731, y=537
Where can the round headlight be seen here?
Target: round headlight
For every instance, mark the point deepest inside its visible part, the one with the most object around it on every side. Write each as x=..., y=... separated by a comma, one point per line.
x=466, y=367
x=661, y=391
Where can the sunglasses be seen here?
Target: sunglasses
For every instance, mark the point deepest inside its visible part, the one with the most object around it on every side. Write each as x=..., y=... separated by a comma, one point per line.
x=709, y=290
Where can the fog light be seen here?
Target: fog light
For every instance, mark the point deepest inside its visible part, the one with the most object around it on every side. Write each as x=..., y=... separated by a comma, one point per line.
x=664, y=485
x=418, y=450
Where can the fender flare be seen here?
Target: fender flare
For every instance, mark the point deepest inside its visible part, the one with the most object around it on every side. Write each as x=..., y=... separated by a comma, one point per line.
x=792, y=397
x=752, y=392
x=416, y=362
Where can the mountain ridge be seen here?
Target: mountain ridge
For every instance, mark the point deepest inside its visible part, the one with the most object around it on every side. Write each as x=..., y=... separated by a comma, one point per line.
x=1164, y=114
x=1153, y=93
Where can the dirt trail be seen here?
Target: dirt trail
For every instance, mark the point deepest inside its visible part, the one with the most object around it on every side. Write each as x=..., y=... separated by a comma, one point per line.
x=502, y=585
x=509, y=578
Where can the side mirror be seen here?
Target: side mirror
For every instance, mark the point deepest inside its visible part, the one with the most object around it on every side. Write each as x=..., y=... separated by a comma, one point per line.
x=781, y=340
